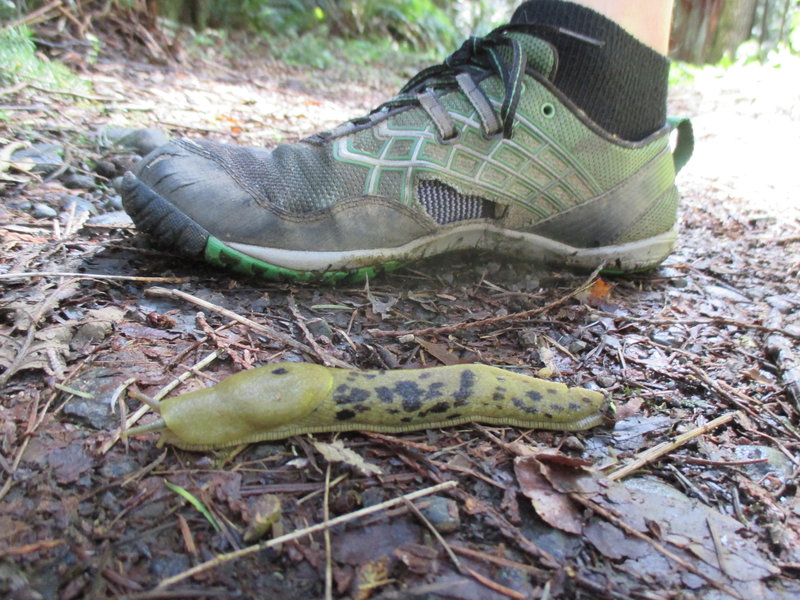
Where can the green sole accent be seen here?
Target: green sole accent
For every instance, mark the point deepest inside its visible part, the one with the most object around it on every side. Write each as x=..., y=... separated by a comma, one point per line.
x=220, y=255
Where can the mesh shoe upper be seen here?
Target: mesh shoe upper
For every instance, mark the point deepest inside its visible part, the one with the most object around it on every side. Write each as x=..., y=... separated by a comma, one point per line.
x=484, y=137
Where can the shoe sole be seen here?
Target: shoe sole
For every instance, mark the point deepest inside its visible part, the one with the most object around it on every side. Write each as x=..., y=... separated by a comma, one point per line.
x=174, y=230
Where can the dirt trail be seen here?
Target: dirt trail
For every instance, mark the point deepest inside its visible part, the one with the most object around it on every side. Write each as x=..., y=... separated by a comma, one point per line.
x=715, y=330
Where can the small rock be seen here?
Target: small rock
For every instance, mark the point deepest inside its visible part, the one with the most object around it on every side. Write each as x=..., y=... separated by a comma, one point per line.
x=722, y=292
x=667, y=338
x=573, y=443
x=776, y=463
x=577, y=346
x=46, y=157
x=143, y=141
x=118, y=217
x=372, y=496
x=114, y=202
x=443, y=514
x=116, y=183
x=528, y=338
x=605, y=381
x=77, y=181
x=96, y=411
x=81, y=205
x=171, y=564
x=43, y=211
x=21, y=205
x=113, y=469
x=320, y=327
x=679, y=282
x=106, y=168
x=781, y=304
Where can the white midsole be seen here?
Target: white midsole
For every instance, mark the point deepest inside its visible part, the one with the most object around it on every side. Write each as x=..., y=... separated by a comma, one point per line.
x=527, y=246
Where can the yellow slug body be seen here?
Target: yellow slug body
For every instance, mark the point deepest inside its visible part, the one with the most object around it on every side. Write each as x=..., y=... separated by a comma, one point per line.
x=284, y=399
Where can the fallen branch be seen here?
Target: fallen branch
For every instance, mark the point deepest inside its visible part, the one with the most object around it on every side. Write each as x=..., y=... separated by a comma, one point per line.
x=656, y=452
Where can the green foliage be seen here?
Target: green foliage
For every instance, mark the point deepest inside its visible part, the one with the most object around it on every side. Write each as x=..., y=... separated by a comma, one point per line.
x=19, y=62
x=421, y=24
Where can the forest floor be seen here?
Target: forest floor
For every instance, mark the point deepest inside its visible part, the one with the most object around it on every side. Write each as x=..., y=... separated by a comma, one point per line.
x=706, y=345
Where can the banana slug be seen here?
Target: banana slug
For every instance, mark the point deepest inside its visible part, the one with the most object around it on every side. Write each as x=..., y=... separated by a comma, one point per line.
x=284, y=399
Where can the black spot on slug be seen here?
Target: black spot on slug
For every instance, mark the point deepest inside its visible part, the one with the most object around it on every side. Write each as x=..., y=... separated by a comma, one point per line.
x=439, y=407
x=586, y=400
x=574, y=406
x=344, y=394
x=433, y=390
x=411, y=395
x=424, y=375
x=499, y=393
x=464, y=391
x=406, y=419
x=552, y=391
x=344, y=415
x=453, y=416
x=384, y=394
x=280, y=371
x=556, y=407
x=520, y=404
x=392, y=411
x=361, y=408
x=535, y=396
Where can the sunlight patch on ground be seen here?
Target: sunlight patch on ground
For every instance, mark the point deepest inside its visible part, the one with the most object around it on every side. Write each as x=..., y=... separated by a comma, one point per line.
x=747, y=127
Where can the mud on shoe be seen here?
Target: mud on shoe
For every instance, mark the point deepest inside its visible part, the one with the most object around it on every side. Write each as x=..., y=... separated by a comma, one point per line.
x=483, y=151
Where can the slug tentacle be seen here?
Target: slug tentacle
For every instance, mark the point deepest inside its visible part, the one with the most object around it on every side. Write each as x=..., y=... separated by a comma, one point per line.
x=285, y=399
x=157, y=425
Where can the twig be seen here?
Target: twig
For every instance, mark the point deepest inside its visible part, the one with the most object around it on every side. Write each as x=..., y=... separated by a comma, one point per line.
x=656, y=452
x=499, y=560
x=488, y=321
x=399, y=441
x=224, y=558
x=782, y=353
x=593, y=506
x=435, y=533
x=321, y=353
x=32, y=17
x=72, y=93
x=717, y=463
x=30, y=274
x=496, y=587
x=273, y=334
x=326, y=514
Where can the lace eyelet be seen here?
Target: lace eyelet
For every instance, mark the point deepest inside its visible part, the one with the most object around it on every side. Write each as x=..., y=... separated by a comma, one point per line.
x=548, y=110
x=451, y=140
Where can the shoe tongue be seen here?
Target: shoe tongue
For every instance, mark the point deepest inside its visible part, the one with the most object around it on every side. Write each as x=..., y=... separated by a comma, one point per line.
x=541, y=55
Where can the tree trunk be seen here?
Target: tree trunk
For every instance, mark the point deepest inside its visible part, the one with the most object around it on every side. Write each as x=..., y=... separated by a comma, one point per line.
x=703, y=31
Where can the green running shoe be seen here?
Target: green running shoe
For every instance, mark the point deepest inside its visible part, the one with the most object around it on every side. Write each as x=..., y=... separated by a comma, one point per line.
x=479, y=152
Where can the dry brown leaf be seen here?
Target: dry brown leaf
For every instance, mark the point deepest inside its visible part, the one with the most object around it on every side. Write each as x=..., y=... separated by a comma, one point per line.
x=554, y=507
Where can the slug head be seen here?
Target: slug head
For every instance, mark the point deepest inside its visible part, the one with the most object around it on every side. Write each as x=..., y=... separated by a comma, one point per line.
x=244, y=406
